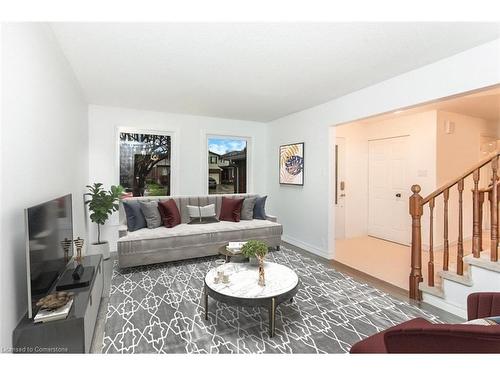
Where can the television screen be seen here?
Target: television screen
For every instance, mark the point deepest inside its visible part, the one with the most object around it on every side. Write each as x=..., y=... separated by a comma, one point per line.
x=49, y=246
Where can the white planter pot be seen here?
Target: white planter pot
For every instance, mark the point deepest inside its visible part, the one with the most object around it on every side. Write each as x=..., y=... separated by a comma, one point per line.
x=101, y=248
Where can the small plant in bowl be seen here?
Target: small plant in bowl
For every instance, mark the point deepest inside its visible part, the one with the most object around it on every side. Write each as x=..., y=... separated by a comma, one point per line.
x=254, y=249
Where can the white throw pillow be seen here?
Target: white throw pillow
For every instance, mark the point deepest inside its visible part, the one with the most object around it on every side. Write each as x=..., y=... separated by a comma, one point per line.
x=205, y=211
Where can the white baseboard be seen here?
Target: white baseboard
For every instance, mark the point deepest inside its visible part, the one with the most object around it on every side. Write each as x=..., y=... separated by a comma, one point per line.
x=444, y=305
x=308, y=247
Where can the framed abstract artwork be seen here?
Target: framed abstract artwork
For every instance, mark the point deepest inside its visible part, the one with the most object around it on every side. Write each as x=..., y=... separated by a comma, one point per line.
x=292, y=164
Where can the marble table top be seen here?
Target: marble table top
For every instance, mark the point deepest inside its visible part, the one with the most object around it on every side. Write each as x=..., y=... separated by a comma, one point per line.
x=243, y=280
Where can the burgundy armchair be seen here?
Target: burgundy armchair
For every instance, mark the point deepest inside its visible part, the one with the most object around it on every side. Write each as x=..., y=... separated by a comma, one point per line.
x=421, y=336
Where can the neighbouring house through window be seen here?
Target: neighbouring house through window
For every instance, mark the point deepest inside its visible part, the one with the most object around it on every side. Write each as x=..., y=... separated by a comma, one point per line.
x=227, y=165
x=145, y=164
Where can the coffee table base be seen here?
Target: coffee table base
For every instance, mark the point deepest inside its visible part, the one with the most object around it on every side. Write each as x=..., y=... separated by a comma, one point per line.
x=271, y=303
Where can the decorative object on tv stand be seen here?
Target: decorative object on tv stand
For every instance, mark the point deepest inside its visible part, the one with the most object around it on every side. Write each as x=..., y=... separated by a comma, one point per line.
x=66, y=244
x=102, y=203
x=292, y=164
x=79, y=245
x=256, y=249
x=55, y=300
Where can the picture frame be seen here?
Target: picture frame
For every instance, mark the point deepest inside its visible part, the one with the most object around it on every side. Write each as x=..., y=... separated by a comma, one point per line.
x=291, y=164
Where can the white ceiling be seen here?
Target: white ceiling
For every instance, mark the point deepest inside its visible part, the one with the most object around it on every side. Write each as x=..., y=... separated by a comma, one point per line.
x=250, y=71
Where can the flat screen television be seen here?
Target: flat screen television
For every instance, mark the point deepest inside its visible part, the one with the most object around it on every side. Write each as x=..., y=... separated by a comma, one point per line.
x=48, y=225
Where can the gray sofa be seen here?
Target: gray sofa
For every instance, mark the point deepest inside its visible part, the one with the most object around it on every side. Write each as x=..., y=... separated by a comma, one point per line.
x=148, y=246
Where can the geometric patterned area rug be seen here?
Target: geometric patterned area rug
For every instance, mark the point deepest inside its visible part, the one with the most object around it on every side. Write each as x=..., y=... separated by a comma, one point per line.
x=159, y=309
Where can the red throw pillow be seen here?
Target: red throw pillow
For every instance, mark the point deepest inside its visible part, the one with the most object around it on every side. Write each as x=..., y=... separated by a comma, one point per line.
x=169, y=213
x=231, y=209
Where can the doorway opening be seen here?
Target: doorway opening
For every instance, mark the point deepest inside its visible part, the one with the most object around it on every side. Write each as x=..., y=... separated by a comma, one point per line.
x=378, y=159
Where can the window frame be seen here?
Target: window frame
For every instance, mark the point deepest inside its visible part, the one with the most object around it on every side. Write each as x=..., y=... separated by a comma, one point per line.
x=249, y=160
x=174, y=168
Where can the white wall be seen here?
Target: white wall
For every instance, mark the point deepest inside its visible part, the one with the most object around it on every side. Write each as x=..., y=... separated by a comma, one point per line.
x=421, y=131
x=458, y=151
x=307, y=212
x=44, y=149
x=189, y=149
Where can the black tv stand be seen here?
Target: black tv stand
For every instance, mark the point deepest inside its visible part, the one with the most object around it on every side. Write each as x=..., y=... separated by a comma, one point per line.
x=67, y=282
x=73, y=334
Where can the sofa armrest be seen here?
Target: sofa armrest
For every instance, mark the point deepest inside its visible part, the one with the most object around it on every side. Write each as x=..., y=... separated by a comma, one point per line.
x=483, y=305
x=122, y=231
x=444, y=338
x=272, y=218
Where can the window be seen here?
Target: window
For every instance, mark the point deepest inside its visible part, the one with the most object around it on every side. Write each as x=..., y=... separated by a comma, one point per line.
x=227, y=165
x=145, y=164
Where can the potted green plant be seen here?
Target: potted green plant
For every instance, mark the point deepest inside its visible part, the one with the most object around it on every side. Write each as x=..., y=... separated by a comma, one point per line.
x=102, y=203
x=256, y=250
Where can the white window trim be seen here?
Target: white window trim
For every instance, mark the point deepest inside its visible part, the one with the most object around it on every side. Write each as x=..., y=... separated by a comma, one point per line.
x=204, y=168
x=174, y=152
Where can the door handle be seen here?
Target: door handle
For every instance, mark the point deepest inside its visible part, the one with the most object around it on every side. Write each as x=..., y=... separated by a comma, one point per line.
x=342, y=195
x=398, y=195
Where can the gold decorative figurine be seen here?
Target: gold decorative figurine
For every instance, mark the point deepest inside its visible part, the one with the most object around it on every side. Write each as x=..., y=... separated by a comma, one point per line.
x=79, y=245
x=262, y=280
x=66, y=244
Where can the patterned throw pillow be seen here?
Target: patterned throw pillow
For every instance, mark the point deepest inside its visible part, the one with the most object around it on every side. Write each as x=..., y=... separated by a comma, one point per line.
x=490, y=321
x=202, y=215
x=151, y=214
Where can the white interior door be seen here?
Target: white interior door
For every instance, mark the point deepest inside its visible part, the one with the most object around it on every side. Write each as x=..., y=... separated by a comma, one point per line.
x=340, y=188
x=388, y=189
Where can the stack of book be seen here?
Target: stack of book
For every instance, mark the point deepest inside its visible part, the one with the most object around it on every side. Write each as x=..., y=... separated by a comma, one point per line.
x=235, y=247
x=57, y=314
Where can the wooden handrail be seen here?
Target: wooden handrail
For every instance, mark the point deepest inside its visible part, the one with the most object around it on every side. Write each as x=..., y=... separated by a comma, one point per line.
x=416, y=210
x=455, y=181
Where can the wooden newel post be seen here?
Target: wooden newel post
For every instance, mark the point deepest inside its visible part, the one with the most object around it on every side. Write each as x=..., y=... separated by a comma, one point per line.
x=416, y=212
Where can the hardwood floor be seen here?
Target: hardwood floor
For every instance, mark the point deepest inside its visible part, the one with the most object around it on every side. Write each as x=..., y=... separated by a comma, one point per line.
x=387, y=287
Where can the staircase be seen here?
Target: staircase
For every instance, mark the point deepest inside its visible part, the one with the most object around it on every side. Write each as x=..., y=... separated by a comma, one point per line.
x=468, y=264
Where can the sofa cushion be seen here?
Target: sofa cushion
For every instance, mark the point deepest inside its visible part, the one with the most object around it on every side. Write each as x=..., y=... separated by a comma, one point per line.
x=247, y=208
x=230, y=209
x=185, y=235
x=169, y=213
x=259, y=210
x=135, y=218
x=151, y=214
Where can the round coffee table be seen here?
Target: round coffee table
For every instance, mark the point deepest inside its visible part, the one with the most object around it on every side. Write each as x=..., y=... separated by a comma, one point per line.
x=243, y=289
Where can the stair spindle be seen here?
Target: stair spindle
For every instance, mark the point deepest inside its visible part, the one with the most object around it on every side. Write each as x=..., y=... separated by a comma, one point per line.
x=446, y=249
x=460, y=244
x=481, y=204
x=476, y=230
x=430, y=265
x=494, y=211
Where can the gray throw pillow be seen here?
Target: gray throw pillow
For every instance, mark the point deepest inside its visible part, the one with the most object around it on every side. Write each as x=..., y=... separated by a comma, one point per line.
x=151, y=214
x=259, y=210
x=135, y=218
x=247, y=208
